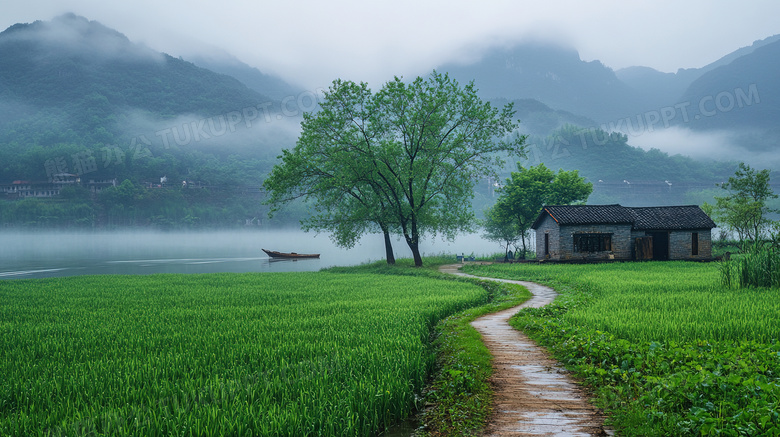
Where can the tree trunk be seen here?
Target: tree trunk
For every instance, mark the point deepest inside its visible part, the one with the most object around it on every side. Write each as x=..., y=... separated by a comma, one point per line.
x=415, y=247
x=388, y=247
x=414, y=244
x=524, y=249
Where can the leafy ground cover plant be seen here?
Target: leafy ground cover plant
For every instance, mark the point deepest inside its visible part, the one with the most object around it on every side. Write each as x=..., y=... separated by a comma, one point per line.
x=666, y=348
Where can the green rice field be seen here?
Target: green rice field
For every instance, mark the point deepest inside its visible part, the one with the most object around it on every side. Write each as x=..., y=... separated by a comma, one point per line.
x=218, y=354
x=666, y=347
x=662, y=301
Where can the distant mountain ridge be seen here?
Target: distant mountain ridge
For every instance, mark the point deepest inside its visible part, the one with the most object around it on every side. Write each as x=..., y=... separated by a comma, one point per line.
x=72, y=90
x=536, y=118
x=70, y=63
x=727, y=59
x=741, y=95
x=551, y=74
x=253, y=78
x=70, y=58
x=74, y=87
x=557, y=77
x=662, y=89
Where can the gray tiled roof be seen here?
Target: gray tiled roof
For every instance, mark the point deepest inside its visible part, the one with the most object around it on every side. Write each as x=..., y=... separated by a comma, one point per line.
x=671, y=217
x=641, y=218
x=588, y=214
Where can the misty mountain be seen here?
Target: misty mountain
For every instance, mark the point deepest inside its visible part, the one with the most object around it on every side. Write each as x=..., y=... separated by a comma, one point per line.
x=660, y=89
x=657, y=89
x=253, y=78
x=556, y=77
x=553, y=75
x=77, y=97
x=75, y=75
x=536, y=118
x=741, y=95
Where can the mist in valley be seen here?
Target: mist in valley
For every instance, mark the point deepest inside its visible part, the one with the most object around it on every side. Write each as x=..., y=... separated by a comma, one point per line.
x=714, y=145
x=258, y=130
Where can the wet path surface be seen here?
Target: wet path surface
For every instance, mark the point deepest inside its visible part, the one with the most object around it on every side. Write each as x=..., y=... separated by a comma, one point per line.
x=534, y=395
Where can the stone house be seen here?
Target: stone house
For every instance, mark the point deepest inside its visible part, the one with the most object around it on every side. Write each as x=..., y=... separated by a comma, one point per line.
x=606, y=232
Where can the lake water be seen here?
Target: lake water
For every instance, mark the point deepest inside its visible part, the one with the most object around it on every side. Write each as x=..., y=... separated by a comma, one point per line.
x=48, y=253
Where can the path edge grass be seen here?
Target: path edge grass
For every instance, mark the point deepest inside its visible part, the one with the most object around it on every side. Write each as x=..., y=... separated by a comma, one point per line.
x=565, y=343
x=657, y=388
x=460, y=396
x=458, y=401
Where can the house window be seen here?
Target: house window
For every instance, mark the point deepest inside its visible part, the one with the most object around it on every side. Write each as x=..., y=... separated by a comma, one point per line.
x=596, y=242
x=694, y=243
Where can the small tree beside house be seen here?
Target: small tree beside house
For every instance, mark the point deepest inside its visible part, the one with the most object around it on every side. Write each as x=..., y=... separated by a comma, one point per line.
x=524, y=195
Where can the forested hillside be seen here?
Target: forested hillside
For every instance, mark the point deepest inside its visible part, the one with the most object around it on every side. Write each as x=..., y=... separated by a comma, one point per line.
x=158, y=141
x=79, y=98
x=624, y=174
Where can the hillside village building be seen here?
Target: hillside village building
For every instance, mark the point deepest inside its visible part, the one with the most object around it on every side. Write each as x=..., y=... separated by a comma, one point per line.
x=52, y=188
x=607, y=232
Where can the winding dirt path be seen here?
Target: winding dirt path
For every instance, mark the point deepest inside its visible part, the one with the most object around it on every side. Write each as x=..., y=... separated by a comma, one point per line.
x=534, y=396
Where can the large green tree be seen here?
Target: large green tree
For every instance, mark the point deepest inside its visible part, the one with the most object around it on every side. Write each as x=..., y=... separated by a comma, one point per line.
x=402, y=160
x=744, y=210
x=529, y=189
x=327, y=168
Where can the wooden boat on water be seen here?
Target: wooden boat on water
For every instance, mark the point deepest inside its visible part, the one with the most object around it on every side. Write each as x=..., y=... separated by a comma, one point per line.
x=290, y=255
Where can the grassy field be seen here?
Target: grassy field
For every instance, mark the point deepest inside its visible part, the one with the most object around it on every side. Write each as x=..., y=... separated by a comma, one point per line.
x=668, y=350
x=459, y=398
x=224, y=354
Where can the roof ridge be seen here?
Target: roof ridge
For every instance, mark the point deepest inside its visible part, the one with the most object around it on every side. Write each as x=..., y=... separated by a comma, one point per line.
x=639, y=217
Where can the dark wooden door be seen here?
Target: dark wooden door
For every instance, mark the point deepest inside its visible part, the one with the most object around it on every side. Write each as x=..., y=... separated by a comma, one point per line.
x=643, y=248
x=660, y=245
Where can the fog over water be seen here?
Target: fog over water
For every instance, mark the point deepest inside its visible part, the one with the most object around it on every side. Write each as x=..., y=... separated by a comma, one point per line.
x=39, y=254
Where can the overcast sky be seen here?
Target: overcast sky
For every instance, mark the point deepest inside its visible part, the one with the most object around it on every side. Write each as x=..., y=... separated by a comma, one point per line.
x=313, y=42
